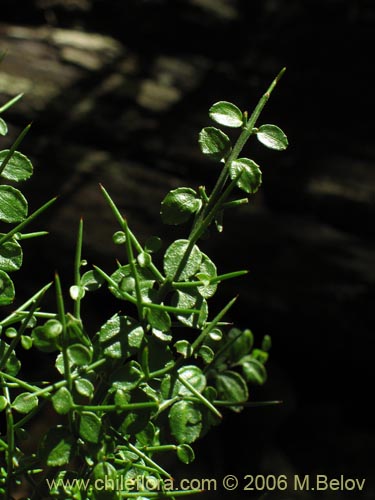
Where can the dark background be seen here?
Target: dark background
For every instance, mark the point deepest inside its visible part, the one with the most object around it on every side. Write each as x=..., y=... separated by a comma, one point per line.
x=121, y=99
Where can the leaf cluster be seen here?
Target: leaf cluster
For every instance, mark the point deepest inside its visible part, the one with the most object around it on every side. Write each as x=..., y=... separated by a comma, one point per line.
x=155, y=376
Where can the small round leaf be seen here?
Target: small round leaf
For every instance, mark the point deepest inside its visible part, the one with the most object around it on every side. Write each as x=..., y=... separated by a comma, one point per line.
x=25, y=402
x=18, y=168
x=214, y=143
x=84, y=387
x=10, y=256
x=232, y=387
x=177, y=264
x=79, y=355
x=247, y=173
x=159, y=319
x=185, y=453
x=76, y=292
x=57, y=447
x=89, y=427
x=3, y=127
x=13, y=205
x=254, y=372
x=178, y=206
x=3, y=403
x=272, y=137
x=7, y=292
x=226, y=114
x=185, y=421
x=62, y=401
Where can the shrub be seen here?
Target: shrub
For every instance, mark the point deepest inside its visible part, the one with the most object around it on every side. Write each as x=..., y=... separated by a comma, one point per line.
x=155, y=376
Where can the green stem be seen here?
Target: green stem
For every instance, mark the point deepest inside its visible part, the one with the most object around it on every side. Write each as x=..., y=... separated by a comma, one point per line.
x=198, y=341
x=12, y=318
x=15, y=145
x=24, y=223
x=10, y=103
x=133, y=267
x=134, y=240
x=126, y=407
x=77, y=267
x=11, y=451
x=200, y=397
x=247, y=131
x=20, y=332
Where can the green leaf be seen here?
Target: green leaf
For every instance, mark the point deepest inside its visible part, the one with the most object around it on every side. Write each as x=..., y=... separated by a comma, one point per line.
x=272, y=137
x=247, y=173
x=194, y=376
x=191, y=300
x=120, y=336
x=57, y=447
x=227, y=114
x=171, y=386
x=91, y=280
x=10, y=255
x=184, y=348
x=232, y=387
x=153, y=244
x=214, y=143
x=178, y=206
x=18, y=168
x=3, y=403
x=3, y=127
x=185, y=453
x=89, y=427
x=76, y=292
x=13, y=365
x=126, y=377
x=26, y=342
x=206, y=353
x=208, y=268
x=84, y=387
x=7, y=292
x=254, y=371
x=62, y=401
x=13, y=205
x=79, y=355
x=25, y=402
x=185, y=421
x=241, y=343
x=144, y=260
x=126, y=282
x=52, y=329
x=104, y=471
x=159, y=319
x=266, y=343
x=119, y=238
x=41, y=342
x=176, y=259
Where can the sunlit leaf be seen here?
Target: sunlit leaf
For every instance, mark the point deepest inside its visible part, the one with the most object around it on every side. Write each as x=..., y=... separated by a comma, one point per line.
x=89, y=427
x=18, y=168
x=272, y=137
x=25, y=402
x=13, y=205
x=214, y=143
x=178, y=206
x=180, y=264
x=247, y=173
x=3, y=127
x=62, y=401
x=10, y=255
x=227, y=114
x=185, y=421
x=7, y=292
